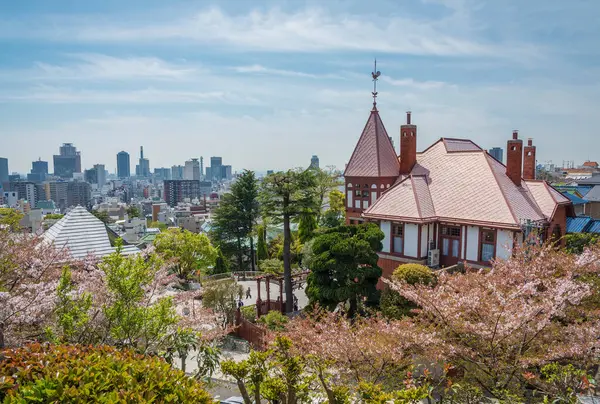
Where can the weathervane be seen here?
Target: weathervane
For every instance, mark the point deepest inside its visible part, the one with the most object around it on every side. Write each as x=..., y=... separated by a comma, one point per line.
x=375, y=73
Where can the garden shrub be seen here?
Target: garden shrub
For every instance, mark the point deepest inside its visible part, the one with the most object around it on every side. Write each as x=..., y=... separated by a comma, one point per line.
x=69, y=373
x=413, y=274
x=274, y=320
x=394, y=306
x=249, y=313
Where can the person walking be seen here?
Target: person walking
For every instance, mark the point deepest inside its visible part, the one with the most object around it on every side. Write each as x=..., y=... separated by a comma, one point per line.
x=249, y=293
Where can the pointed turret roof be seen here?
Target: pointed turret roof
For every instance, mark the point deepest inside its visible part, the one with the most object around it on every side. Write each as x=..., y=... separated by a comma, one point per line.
x=374, y=154
x=82, y=233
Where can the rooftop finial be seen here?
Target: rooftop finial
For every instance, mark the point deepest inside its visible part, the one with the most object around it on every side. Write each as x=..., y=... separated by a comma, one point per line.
x=375, y=75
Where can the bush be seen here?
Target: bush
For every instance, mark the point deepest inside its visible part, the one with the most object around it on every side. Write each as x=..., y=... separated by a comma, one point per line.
x=413, y=274
x=249, y=313
x=577, y=242
x=69, y=373
x=271, y=266
x=394, y=306
x=274, y=320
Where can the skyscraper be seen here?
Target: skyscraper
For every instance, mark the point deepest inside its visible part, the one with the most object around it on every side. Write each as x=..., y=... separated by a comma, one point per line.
x=79, y=193
x=177, y=172
x=100, y=174
x=39, y=171
x=497, y=153
x=25, y=190
x=192, y=170
x=67, y=162
x=314, y=161
x=143, y=167
x=3, y=170
x=123, y=165
x=178, y=190
x=215, y=168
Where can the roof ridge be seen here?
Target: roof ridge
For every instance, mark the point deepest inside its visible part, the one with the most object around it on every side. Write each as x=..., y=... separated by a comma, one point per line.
x=510, y=209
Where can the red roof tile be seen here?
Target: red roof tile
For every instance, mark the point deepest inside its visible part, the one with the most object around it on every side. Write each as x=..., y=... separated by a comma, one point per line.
x=374, y=155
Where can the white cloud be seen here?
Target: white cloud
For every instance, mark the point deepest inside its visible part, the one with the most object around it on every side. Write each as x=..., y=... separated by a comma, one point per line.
x=408, y=82
x=260, y=69
x=309, y=30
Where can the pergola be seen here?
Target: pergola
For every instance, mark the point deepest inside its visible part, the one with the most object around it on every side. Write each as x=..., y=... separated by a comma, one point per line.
x=263, y=307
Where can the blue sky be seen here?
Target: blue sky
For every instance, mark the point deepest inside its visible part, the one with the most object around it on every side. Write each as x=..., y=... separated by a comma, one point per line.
x=266, y=84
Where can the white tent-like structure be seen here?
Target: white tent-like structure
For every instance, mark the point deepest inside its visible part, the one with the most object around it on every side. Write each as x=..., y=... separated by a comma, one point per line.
x=83, y=233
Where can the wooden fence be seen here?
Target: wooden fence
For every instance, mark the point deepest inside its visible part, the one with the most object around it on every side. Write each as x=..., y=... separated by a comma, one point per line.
x=252, y=333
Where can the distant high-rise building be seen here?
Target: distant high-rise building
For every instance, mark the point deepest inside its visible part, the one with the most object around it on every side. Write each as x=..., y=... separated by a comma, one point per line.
x=177, y=172
x=3, y=170
x=57, y=191
x=79, y=193
x=178, y=190
x=496, y=153
x=100, y=174
x=67, y=162
x=192, y=170
x=91, y=176
x=314, y=161
x=162, y=174
x=39, y=171
x=201, y=166
x=143, y=167
x=123, y=165
x=226, y=173
x=208, y=175
x=269, y=172
x=215, y=168
x=25, y=190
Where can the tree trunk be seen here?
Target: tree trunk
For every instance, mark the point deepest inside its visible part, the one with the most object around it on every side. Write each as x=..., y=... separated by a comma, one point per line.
x=353, y=307
x=240, y=258
x=252, y=253
x=257, y=395
x=244, y=392
x=183, y=358
x=287, y=264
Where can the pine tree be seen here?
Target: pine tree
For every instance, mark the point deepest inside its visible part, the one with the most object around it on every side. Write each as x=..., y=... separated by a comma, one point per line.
x=261, y=247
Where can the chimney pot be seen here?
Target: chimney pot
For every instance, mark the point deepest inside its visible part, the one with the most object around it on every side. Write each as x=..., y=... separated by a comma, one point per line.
x=515, y=134
x=530, y=142
x=408, y=117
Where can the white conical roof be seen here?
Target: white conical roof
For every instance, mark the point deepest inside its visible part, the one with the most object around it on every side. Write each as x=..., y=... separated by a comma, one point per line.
x=82, y=233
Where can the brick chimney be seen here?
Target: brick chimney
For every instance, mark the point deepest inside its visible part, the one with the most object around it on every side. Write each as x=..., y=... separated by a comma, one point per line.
x=408, y=146
x=529, y=161
x=514, y=158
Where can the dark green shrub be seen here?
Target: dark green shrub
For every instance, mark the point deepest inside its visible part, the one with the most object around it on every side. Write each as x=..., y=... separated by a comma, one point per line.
x=68, y=373
x=394, y=306
x=249, y=313
x=274, y=320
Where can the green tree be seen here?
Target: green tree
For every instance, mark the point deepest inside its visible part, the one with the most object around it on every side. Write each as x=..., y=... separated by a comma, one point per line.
x=236, y=216
x=285, y=196
x=326, y=181
x=271, y=266
x=262, y=252
x=11, y=218
x=53, y=216
x=190, y=252
x=334, y=216
x=157, y=225
x=103, y=216
x=221, y=264
x=307, y=226
x=344, y=266
x=274, y=320
x=577, y=242
x=393, y=305
x=72, y=311
x=135, y=319
x=133, y=211
x=222, y=297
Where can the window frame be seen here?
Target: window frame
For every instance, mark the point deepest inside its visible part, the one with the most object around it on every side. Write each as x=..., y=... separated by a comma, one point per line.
x=393, y=235
x=482, y=232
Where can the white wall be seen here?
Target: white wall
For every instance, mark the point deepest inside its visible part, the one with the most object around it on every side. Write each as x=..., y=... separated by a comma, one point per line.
x=424, y=243
x=504, y=244
x=386, y=228
x=411, y=239
x=472, y=243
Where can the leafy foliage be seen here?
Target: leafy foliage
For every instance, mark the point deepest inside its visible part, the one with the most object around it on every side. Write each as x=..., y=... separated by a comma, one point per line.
x=133, y=211
x=53, y=216
x=10, y=217
x=577, y=242
x=222, y=296
x=393, y=305
x=49, y=373
x=271, y=266
x=262, y=252
x=103, y=216
x=189, y=252
x=157, y=225
x=307, y=226
x=221, y=264
x=274, y=320
x=235, y=218
x=344, y=266
x=284, y=197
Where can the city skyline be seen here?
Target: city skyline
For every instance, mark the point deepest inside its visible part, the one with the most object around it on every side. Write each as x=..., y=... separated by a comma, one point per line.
x=268, y=84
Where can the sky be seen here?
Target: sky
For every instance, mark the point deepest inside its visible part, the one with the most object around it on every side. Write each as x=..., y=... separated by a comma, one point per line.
x=267, y=84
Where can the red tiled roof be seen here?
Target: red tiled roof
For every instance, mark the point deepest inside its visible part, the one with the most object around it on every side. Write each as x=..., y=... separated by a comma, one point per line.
x=592, y=164
x=455, y=179
x=374, y=155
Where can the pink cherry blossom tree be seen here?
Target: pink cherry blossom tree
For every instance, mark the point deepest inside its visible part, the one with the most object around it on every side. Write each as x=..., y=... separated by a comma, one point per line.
x=499, y=324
